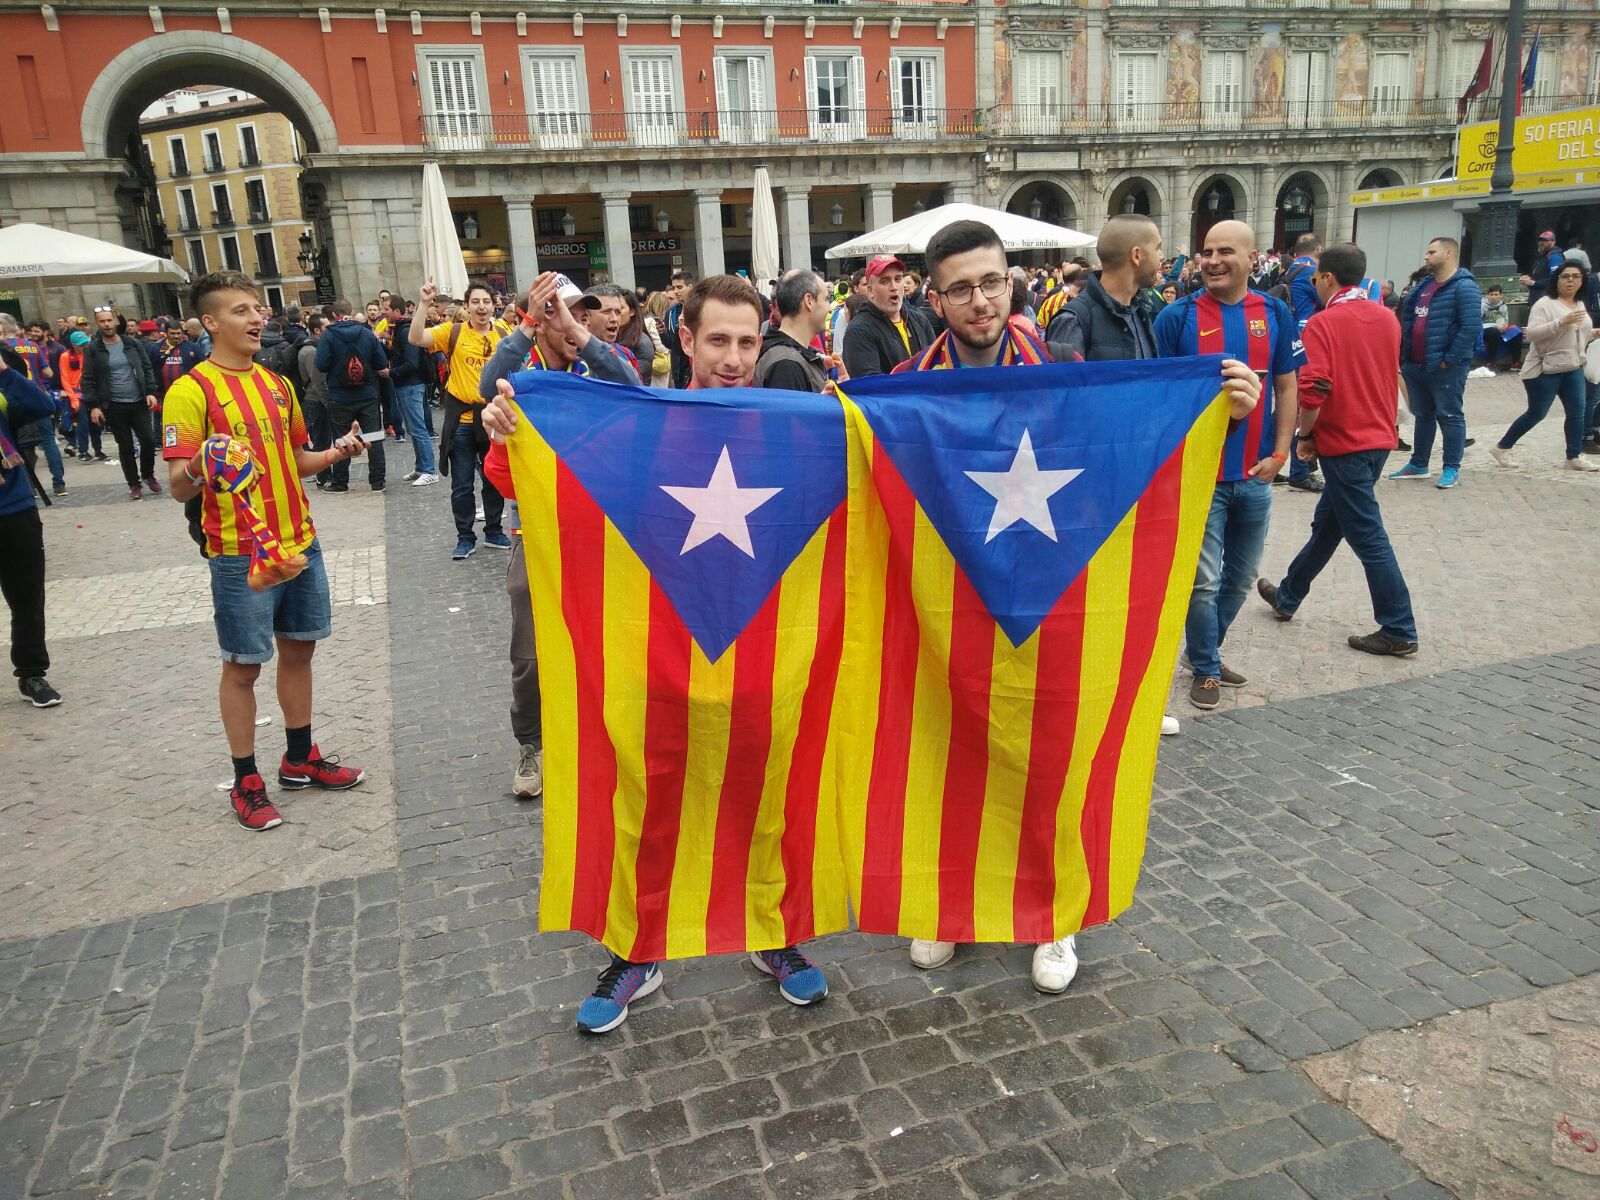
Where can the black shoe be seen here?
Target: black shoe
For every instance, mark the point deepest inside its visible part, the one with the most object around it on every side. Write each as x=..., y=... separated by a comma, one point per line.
x=37, y=692
x=337, y=487
x=102, y=457
x=59, y=489
x=1308, y=484
x=1268, y=591
x=1381, y=643
x=1470, y=442
x=1592, y=446
x=377, y=487
x=1402, y=444
x=70, y=451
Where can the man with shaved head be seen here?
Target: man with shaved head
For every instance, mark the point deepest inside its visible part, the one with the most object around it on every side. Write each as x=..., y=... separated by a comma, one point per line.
x=1228, y=318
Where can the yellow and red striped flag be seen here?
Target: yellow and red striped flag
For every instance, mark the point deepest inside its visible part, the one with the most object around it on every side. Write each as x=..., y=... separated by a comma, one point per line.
x=1023, y=544
x=686, y=558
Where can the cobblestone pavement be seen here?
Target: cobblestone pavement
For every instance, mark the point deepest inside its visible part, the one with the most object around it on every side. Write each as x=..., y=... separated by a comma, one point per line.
x=1322, y=870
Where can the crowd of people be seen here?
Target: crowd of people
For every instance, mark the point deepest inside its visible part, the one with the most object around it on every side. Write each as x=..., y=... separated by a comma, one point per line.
x=1315, y=354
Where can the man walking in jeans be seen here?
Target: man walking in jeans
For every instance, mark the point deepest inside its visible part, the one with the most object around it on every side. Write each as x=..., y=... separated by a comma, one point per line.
x=1259, y=330
x=1347, y=410
x=119, y=386
x=408, y=366
x=352, y=358
x=1439, y=322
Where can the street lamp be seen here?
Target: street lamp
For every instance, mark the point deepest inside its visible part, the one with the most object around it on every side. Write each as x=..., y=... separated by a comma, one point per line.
x=836, y=215
x=1497, y=216
x=469, y=228
x=569, y=224
x=663, y=222
x=1036, y=209
x=307, y=256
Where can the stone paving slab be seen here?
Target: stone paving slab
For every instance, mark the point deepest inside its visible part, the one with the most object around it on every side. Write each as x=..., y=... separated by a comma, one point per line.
x=1497, y=1103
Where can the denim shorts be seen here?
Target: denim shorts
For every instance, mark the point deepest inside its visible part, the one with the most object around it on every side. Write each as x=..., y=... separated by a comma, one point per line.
x=248, y=620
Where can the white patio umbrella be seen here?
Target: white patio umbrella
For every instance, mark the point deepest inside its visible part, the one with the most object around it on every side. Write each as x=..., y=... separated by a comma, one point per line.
x=911, y=235
x=764, y=232
x=441, y=249
x=43, y=256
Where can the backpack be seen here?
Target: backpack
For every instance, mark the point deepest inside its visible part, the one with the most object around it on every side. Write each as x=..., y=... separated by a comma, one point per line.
x=354, y=372
x=1280, y=290
x=284, y=359
x=445, y=365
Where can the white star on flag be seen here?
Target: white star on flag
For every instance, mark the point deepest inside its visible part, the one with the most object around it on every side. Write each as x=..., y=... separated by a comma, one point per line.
x=721, y=507
x=1022, y=492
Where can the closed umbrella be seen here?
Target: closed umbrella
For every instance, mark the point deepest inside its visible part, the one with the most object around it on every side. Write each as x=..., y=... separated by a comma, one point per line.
x=441, y=249
x=911, y=235
x=764, y=232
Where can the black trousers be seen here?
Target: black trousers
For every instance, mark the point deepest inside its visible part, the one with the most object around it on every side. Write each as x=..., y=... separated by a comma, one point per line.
x=128, y=421
x=316, y=415
x=22, y=582
x=339, y=418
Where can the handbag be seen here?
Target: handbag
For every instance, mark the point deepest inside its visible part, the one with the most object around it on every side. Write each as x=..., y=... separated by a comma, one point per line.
x=1591, y=362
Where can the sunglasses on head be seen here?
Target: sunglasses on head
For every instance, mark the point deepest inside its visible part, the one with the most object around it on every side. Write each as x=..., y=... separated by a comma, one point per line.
x=103, y=308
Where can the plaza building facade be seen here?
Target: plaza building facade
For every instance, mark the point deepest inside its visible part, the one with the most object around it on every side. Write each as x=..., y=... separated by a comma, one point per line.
x=620, y=142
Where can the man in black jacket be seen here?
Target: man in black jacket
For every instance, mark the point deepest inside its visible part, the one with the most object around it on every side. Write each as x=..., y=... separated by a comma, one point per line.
x=884, y=333
x=119, y=386
x=409, y=367
x=353, y=359
x=1105, y=321
x=788, y=359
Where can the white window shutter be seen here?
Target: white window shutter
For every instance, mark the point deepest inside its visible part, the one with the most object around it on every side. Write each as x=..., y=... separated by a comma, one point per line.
x=858, y=94
x=727, y=123
x=760, y=118
x=897, y=85
x=811, y=96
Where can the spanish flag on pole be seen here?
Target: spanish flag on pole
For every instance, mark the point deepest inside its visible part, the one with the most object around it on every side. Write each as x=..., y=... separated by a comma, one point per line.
x=686, y=555
x=1023, y=544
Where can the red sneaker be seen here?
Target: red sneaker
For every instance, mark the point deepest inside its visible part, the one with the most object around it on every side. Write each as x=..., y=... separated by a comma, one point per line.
x=320, y=772
x=251, y=806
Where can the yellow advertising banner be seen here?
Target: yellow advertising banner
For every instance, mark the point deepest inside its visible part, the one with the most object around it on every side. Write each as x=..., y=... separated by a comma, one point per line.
x=1450, y=189
x=1562, y=141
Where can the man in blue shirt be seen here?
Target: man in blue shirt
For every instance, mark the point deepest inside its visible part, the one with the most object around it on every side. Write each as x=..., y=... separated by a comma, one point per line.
x=1228, y=318
x=22, y=403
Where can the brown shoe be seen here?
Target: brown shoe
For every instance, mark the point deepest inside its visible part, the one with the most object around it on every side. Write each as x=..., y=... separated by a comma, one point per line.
x=1205, y=692
x=1268, y=591
x=1381, y=643
x=134, y=493
x=1231, y=678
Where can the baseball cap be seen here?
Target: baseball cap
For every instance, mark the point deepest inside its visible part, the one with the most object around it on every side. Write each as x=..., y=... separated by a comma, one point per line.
x=882, y=263
x=78, y=338
x=570, y=293
x=1549, y=235
x=148, y=326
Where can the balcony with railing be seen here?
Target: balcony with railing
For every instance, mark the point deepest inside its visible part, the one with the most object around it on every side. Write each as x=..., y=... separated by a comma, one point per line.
x=222, y=218
x=214, y=164
x=1086, y=120
x=260, y=216
x=188, y=223
x=250, y=157
x=688, y=129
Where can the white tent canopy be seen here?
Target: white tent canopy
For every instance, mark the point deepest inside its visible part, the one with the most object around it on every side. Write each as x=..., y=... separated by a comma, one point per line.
x=44, y=256
x=441, y=249
x=911, y=235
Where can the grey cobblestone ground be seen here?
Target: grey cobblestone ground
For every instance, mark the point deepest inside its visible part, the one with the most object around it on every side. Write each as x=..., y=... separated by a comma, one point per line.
x=1321, y=870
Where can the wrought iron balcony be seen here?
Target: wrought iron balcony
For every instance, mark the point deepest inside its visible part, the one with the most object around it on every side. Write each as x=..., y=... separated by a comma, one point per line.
x=1083, y=120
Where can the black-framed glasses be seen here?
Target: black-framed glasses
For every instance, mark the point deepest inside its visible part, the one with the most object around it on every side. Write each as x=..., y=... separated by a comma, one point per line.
x=992, y=287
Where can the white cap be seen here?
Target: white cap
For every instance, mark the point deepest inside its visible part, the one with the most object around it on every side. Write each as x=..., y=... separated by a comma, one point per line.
x=569, y=293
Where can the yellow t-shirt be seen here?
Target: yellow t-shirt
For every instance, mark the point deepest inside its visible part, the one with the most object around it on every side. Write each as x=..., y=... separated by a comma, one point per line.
x=260, y=407
x=905, y=336
x=382, y=327
x=472, y=353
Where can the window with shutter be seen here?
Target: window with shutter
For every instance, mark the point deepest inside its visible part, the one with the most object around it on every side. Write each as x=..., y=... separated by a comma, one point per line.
x=652, y=99
x=1223, y=99
x=553, y=91
x=1390, y=88
x=835, y=112
x=1308, y=87
x=743, y=113
x=452, y=95
x=913, y=95
x=1136, y=89
x=1546, y=80
x=1037, y=91
x=1594, y=77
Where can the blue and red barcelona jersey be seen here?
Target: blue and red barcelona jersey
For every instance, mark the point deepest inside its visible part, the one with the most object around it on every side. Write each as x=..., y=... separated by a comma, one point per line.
x=1258, y=330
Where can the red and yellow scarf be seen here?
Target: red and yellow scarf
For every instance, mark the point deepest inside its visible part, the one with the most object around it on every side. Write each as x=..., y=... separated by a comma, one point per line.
x=1020, y=346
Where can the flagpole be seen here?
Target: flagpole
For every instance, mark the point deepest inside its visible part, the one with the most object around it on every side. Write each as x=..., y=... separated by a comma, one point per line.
x=1497, y=216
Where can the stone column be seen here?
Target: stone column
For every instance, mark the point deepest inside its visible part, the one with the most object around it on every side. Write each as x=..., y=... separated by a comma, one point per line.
x=959, y=191
x=796, y=214
x=708, y=233
x=524, y=251
x=619, y=239
x=1340, y=226
x=1180, y=212
x=984, y=51
x=880, y=205
x=1092, y=215
x=1094, y=56
x=1264, y=207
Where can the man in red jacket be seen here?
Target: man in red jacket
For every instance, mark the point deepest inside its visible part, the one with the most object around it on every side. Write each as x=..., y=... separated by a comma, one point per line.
x=1348, y=394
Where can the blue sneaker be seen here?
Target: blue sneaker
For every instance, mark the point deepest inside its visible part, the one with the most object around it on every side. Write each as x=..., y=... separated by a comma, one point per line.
x=620, y=985
x=497, y=539
x=1449, y=477
x=1410, y=471
x=798, y=981
x=463, y=550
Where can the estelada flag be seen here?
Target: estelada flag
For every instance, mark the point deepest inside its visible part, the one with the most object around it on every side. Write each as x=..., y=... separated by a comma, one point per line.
x=1023, y=543
x=685, y=553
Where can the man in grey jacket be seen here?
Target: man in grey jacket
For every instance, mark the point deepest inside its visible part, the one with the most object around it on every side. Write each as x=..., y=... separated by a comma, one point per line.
x=119, y=385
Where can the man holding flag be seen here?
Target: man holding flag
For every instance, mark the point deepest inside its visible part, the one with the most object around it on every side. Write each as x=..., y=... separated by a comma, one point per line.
x=970, y=289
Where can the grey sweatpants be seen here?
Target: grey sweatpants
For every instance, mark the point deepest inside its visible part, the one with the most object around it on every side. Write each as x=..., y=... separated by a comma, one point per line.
x=524, y=659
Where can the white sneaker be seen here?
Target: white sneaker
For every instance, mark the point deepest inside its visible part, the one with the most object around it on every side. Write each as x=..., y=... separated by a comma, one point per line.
x=1503, y=457
x=424, y=479
x=1581, y=464
x=1169, y=726
x=478, y=513
x=1055, y=964
x=927, y=955
x=528, y=782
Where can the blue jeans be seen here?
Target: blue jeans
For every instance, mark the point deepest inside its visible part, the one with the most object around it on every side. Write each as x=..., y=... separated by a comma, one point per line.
x=52, y=452
x=464, y=470
x=1436, y=404
x=1348, y=511
x=1542, y=391
x=408, y=399
x=1236, y=529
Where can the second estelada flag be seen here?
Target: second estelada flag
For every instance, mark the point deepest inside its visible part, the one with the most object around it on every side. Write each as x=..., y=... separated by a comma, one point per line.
x=685, y=553
x=1023, y=544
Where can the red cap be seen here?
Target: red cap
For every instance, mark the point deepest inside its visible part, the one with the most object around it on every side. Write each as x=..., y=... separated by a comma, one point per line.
x=148, y=327
x=1549, y=235
x=882, y=263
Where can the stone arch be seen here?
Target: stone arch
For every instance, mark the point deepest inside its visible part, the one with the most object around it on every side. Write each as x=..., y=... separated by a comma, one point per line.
x=1288, y=226
x=158, y=64
x=1379, y=175
x=1022, y=190
x=1200, y=218
x=1122, y=184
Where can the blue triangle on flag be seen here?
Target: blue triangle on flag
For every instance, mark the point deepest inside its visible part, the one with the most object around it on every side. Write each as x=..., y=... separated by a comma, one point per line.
x=1026, y=471
x=628, y=445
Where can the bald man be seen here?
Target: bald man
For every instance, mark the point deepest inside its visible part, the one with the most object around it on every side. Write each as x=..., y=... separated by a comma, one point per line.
x=1228, y=318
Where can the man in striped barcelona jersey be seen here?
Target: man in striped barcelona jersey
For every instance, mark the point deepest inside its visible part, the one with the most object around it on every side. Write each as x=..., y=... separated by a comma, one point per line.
x=1228, y=318
x=232, y=395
